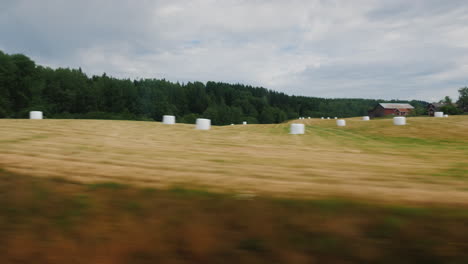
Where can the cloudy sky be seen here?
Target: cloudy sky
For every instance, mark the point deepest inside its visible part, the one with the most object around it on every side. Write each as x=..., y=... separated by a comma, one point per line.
x=387, y=49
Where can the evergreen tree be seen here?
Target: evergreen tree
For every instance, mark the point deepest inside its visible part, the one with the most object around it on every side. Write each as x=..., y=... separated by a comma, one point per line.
x=69, y=93
x=463, y=99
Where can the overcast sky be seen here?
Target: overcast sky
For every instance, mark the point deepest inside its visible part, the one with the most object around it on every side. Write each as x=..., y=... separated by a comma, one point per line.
x=402, y=49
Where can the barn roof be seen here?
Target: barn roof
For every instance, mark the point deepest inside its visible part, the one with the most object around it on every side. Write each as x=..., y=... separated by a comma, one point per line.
x=396, y=106
x=437, y=104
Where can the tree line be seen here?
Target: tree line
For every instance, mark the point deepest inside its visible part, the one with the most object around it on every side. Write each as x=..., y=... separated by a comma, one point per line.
x=70, y=93
x=451, y=108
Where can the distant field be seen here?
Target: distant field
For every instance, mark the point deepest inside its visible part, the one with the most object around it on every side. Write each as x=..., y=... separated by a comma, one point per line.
x=423, y=162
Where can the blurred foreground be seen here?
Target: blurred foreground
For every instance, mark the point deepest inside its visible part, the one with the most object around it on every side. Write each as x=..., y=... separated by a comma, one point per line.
x=57, y=221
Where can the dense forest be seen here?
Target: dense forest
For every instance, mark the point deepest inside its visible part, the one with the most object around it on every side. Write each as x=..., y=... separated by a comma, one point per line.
x=70, y=93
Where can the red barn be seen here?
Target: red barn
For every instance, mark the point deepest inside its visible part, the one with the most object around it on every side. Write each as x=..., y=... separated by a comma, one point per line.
x=384, y=109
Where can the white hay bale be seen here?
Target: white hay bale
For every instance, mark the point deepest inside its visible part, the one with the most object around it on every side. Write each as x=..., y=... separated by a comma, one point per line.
x=365, y=118
x=341, y=122
x=328, y=117
x=322, y=117
x=308, y=117
x=439, y=114
x=399, y=121
x=232, y=124
x=445, y=115
x=244, y=123
x=297, y=129
x=35, y=115
x=168, y=119
x=203, y=124
x=336, y=117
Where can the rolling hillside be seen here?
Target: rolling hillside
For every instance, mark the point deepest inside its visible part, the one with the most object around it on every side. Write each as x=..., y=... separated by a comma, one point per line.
x=94, y=191
x=423, y=162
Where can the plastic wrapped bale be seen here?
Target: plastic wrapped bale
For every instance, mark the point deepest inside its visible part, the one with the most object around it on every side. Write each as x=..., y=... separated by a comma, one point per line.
x=399, y=121
x=336, y=117
x=168, y=119
x=203, y=124
x=439, y=114
x=35, y=115
x=322, y=117
x=244, y=122
x=328, y=117
x=341, y=122
x=308, y=117
x=365, y=118
x=445, y=115
x=297, y=129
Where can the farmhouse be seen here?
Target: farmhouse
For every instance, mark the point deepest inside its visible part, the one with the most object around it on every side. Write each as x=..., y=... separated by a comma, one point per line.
x=433, y=107
x=436, y=107
x=384, y=109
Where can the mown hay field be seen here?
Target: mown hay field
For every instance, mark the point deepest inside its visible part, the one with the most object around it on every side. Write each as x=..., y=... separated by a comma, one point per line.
x=424, y=162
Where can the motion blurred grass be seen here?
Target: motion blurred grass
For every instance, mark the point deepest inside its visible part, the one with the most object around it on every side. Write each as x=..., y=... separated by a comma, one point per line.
x=94, y=191
x=53, y=221
x=422, y=162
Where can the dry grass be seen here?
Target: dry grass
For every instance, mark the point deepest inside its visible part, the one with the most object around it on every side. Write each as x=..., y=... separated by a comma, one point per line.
x=52, y=221
x=423, y=162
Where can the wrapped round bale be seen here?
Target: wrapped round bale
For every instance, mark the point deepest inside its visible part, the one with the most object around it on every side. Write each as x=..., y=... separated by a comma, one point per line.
x=365, y=118
x=297, y=129
x=341, y=122
x=439, y=114
x=399, y=121
x=203, y=124
x=445, y=115
x=328, y=117
x=35, y=115
x=244, y=123
x=168, y=119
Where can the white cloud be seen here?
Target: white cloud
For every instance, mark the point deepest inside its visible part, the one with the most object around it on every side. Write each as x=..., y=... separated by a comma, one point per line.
x=368, y=48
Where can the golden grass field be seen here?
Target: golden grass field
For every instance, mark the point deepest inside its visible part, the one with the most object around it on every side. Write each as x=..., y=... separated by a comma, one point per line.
x=425, y=161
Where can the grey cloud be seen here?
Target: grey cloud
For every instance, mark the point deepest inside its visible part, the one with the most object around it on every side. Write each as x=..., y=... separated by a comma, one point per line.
x=402, y=9
x=367, y=48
